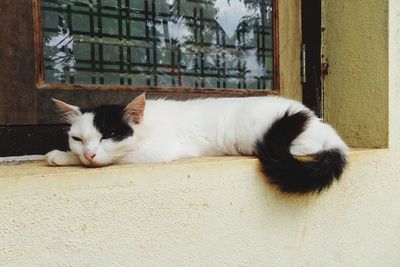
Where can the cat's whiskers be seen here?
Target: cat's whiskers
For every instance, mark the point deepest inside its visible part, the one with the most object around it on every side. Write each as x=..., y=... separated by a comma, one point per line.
x=112, y=157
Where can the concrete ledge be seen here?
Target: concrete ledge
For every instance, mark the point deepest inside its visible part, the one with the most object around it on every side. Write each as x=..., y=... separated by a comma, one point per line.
x=35, y=174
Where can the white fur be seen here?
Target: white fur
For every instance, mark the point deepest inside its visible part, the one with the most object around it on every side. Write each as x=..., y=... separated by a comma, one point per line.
x=172, y=130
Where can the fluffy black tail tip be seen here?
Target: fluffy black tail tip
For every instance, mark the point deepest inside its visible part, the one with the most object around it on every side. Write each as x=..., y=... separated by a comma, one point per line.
x=292, y=175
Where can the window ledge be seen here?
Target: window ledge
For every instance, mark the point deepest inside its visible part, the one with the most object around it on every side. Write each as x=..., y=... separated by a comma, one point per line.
x=30, y=168
x=34, y=165
x=37, y=175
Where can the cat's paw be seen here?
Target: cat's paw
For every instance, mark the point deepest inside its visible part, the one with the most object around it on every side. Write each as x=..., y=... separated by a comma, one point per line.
x=61, y=158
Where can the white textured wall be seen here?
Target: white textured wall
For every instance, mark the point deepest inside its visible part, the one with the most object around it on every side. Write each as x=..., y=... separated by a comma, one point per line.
x=205, y=212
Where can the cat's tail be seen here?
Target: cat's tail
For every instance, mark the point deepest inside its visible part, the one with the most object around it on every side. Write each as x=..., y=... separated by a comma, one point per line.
x=295, y=175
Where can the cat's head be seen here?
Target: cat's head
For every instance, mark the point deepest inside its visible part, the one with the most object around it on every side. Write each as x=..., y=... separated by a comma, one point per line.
x=102, y=135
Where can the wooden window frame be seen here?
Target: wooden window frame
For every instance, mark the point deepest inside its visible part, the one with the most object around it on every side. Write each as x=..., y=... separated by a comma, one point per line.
x=42, y=85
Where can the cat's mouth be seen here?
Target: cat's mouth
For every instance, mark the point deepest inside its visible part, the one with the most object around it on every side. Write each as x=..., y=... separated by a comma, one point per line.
x=92, y=164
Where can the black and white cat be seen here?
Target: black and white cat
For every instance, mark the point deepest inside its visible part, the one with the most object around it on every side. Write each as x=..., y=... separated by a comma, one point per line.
x=275, y=129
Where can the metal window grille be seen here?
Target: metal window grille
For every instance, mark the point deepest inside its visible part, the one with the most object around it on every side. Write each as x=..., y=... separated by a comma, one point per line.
x=166, y=43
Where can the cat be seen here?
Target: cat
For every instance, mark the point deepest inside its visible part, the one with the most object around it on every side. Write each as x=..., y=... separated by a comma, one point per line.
x=277, y=130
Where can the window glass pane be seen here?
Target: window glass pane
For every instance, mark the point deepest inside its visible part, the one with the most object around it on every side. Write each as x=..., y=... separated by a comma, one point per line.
x=166, y=43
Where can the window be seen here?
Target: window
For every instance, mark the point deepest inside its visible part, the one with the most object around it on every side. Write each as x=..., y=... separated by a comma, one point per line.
x=177, y=49
x=223, y=44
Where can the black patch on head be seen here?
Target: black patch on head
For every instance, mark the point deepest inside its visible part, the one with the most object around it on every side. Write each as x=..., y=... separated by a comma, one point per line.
x=108, y=119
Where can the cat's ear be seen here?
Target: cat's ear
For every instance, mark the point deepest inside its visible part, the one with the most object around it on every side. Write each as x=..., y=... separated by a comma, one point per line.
x=68, y=112
x=135, y=109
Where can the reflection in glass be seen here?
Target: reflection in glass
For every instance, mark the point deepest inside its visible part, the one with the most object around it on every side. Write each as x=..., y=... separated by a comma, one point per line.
x=167, y=43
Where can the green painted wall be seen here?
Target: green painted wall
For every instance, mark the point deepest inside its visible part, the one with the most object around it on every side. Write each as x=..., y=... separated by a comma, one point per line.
x=356, y=87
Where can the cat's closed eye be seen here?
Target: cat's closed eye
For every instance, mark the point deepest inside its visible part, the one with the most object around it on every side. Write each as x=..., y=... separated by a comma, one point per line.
x=77, y=139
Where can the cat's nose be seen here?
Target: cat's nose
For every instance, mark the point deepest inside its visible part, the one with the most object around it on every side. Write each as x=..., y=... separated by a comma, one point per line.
x=90, y=156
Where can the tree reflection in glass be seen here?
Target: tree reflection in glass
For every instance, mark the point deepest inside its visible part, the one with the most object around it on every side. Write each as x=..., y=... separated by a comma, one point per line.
x=167, y=43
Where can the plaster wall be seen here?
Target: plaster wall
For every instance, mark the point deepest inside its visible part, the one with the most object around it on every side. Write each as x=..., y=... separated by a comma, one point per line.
x=355, y=49
x=206, y=212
